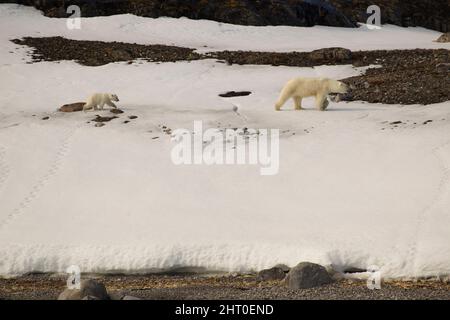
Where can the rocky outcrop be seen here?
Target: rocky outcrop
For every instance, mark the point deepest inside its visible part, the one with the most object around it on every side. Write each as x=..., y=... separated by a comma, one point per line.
x=243, y=12
x=431, y=14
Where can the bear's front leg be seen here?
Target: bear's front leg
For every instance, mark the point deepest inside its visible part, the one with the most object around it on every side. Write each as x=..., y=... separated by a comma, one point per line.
x=320, y=102
x=298, y=103
x=111, y=104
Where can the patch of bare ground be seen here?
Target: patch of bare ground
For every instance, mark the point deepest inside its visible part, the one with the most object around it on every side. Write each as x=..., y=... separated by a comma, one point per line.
x=404, y=77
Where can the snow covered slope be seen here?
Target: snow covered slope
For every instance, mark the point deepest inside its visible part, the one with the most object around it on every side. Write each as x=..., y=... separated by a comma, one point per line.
x=352, y=189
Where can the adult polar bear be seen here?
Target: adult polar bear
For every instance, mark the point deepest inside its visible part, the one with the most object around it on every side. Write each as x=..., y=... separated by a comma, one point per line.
x=300, y=88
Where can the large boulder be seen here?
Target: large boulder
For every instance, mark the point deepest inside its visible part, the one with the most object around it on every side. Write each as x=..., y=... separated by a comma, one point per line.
x=307, y=275
x=72, y=107
x=89, y=290
x=272, y=274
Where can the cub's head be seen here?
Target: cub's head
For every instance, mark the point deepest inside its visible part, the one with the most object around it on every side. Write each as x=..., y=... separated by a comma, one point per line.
x=339, y=87
x=113, y=97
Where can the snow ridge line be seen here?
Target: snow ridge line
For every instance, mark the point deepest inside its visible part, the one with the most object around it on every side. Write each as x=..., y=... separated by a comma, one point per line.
x=445, y=180
x=63, y=150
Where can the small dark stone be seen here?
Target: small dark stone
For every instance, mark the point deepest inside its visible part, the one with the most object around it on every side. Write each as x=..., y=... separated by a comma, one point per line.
x=395, y=122
x=354, y=270
x=132, y=117
x=103, y=119
x=231, y=94
x=116, y=111
x=45, y=118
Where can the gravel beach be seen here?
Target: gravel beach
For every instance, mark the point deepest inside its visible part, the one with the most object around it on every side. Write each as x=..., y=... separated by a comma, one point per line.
x=227, y=287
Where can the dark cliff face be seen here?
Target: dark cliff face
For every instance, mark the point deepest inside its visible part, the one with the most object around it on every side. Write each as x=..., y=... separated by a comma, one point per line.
x=432, y=14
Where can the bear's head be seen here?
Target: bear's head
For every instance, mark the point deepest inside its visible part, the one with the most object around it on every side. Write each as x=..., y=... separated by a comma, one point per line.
x=338, y=87
x=114, y=97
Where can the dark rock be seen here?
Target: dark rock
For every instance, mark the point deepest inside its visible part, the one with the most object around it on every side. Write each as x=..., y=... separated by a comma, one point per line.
x=395, y=122
x=354, y=270
x=274, y=273
x=87, y=288
x=283, y=267
x=307, y=275
x=72, y=107
x=45, y=118
x=132, y=117
x=231, y=94
x=116, y=111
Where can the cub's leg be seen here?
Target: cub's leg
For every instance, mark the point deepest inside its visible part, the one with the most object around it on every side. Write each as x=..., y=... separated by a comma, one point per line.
x=102, y=105
x=87, y=107
x=298, y=103
x=111, y=104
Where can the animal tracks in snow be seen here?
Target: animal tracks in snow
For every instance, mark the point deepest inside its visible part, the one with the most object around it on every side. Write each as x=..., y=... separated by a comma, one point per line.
x=443, y=186
x=61, y=153
x=4, y=168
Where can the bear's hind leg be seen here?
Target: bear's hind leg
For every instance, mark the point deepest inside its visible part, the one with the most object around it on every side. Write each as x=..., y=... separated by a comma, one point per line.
x=285, y=95
x=298, y=103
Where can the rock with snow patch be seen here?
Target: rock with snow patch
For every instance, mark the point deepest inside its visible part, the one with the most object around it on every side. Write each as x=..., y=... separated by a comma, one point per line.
x=72, y=107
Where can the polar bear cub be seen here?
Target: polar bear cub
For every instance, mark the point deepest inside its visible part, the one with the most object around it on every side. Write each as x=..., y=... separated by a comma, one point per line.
x=99, y=100
x=300, y=88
